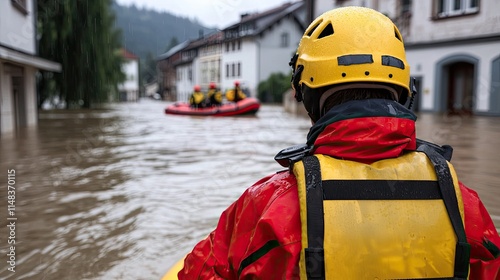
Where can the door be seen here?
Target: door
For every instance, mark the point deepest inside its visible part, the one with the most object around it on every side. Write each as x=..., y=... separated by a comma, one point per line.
x=460, y=88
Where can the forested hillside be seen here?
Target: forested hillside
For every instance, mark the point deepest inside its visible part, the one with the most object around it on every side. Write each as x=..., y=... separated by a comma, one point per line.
x=148, y=31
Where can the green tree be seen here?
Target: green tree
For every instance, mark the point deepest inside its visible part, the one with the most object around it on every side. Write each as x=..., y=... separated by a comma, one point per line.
x=80, y=35
x=272, y=89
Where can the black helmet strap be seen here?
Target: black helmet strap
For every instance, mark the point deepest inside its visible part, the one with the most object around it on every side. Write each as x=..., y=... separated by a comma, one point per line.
x=296, y=73
x=414, y=92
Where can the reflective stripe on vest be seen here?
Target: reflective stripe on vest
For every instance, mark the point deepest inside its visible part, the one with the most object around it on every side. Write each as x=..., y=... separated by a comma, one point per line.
x=385, y=220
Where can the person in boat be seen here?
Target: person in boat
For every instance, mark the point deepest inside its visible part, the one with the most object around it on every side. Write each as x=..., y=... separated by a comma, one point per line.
x=363, y=198
x=197, y=98
x=214, y=96
x=235, y=94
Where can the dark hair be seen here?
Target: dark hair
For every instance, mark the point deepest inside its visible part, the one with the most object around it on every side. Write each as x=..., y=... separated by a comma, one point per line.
x=345, y=95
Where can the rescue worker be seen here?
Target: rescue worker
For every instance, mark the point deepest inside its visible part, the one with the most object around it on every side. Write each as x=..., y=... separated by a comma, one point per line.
x=197, y=98
x=235, y=94
x=363, y=198
x=214, y=96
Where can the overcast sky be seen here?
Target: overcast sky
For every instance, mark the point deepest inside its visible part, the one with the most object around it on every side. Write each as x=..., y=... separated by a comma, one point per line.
x=211, y=13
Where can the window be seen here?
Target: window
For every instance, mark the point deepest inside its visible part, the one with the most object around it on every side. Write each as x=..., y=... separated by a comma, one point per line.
x=284, y=40
x=204, y=72
x=210, y=71
x=227, y=70
x=217, y=71
x=227, y=47
x=239, y=45
x=20, y=5
x=239, y=69
x=405, y=6
x=449, y=8
x=190, y=74
x=440, y=7
x=232, y=70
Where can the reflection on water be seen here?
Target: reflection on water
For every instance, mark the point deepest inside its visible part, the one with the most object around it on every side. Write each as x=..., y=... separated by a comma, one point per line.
x=122, y=193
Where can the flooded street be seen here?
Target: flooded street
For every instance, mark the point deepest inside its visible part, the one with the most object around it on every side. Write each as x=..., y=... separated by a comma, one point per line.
x=122, y=193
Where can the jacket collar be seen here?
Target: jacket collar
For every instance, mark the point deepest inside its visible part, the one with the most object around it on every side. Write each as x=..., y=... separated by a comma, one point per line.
x=364, y=130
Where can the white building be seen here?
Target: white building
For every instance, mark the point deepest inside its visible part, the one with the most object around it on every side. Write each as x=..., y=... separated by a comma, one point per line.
x=261, y=44
x=19, y=64
x=196, y=62
x=248, y=52
x=129, y=89
x=453, y=48
x=209, y=60
x=186, y=69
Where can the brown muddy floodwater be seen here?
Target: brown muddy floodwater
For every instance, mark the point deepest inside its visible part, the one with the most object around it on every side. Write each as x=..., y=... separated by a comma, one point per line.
x=123, y=192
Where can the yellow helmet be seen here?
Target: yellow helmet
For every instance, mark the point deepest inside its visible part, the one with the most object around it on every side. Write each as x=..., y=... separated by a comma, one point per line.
x=351, y=45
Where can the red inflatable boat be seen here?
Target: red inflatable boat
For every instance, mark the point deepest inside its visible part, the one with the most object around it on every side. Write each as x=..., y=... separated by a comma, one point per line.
x=246, y=106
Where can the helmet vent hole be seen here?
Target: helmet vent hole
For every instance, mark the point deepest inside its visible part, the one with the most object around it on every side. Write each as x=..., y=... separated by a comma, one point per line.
x=390, y=75
x=327, y=31
x=396, y=33
x=344, y=74
x=312, y=79
x=367, y=73
x=310, y=32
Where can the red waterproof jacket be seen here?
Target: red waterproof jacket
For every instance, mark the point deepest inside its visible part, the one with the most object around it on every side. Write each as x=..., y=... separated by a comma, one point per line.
x=259, y=235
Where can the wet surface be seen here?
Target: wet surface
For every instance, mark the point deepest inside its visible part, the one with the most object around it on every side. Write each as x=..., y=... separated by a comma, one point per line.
x=122, y=193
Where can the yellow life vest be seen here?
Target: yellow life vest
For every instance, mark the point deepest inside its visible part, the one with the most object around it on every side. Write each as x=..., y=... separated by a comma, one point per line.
x=232, y=95
x=385, y=220
x=197, y=98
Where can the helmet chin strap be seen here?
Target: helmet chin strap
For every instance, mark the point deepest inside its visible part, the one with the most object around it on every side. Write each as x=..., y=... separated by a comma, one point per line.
x=335, y=89
x=414, y=92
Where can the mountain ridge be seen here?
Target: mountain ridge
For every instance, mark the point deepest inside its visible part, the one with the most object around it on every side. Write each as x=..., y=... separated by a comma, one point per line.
x=148, y=31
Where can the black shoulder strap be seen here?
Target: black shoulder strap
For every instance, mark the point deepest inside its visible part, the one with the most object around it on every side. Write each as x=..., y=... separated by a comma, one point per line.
x=314, y=253
x=462, y=251
x=446, y=150
x=288, y=156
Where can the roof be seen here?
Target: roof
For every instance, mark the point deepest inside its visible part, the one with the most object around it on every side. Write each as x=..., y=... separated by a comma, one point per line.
x=173, y=50
x=264, y=20
x=128, y=54
x=12, y=55
x=210, y=39
x=260, y=22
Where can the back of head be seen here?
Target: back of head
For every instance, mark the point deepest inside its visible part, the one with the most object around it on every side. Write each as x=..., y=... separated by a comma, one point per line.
x=350, y=47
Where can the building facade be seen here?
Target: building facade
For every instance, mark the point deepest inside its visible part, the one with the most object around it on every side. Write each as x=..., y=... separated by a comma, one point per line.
x=129, y=89
x=454, y=51
x=190, y=63
x=261, y=44
x=19, y=64
x=186, y=69
x=248, y=52
x=167, y=73
x=209, y=60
